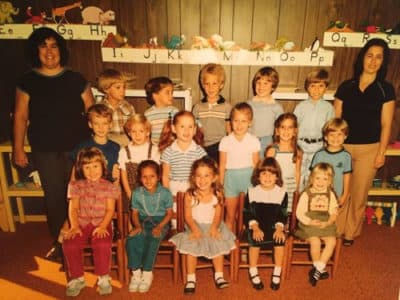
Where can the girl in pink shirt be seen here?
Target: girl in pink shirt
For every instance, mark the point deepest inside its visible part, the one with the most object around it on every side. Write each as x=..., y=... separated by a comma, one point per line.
x=91, y=209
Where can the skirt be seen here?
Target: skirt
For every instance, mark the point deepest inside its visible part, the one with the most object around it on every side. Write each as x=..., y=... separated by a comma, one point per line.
x=306, y=231
x=206, y=246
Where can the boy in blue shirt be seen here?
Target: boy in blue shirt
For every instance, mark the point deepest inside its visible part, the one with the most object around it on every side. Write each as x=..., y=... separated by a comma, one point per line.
x=312, y=114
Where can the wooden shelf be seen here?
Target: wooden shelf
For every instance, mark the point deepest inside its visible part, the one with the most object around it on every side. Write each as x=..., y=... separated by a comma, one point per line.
x=93, y=32
x=203, y=56
x=358, y=39
x=385, y=190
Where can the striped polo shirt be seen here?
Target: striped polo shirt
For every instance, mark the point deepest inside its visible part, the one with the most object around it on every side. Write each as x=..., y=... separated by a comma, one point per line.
x=157, y=117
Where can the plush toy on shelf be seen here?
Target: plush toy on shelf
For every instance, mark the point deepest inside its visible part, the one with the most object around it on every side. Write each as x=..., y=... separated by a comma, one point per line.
x=339, y=26
x=175, y=42
x=7, y=10
x=116, y=41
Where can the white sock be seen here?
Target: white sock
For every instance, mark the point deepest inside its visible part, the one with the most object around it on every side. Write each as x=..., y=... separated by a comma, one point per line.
x=191, y=277
x=277, y=272
x=218, y=275
x=319, y=265
x=253, y=271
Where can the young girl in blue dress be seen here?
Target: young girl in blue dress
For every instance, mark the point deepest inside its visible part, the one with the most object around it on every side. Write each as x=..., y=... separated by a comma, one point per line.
x=151, y=213
x=206, y=234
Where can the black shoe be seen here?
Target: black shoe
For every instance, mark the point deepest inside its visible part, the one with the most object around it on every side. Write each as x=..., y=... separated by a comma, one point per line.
x=324, y=275
x=257, y=286
x=190, y=288
x=55, y=253
x=348, y=243
x=275, y=286
x=221, y=283
x=313, y=276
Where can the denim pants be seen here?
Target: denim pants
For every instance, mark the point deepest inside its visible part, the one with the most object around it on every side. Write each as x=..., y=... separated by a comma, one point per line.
x=142, y=248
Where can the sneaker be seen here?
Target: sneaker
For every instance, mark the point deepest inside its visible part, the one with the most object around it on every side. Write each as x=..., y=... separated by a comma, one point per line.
x=145, y=283
x=135, y=281
x=104, y=285
x=75, y=286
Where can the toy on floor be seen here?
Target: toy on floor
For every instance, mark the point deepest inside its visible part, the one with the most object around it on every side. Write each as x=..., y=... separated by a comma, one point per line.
x=369, y=214
x=379, y=215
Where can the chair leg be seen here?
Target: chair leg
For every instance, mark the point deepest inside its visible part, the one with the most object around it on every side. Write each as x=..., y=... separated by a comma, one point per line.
x=289, y=258
x=336, y=256
x=183, y=267
x=176, y=265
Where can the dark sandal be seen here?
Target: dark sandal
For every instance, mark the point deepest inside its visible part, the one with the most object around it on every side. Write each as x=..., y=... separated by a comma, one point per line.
x=257, y=286
x=275, y=286
x=190, y=287
x=221, y=283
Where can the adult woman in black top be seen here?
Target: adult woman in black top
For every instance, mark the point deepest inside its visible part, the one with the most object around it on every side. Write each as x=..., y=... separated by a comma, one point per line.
x=367, y=103
x=53, y=100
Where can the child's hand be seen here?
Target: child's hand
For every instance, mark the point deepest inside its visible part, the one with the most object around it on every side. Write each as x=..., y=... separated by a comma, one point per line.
x=156, y=231
x=341, y=201
x=258, y=234
x=72, y=233
x=100, y=233
x=214, y=233
x=324, y=224
x=195, y=235
x=115, y=173
x=315, y=222
x=279, y=235
x=135, y=231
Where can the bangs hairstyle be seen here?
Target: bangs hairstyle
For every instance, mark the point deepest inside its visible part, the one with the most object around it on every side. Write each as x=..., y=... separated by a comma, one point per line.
x=147, y=164
x=244, y=108
x=218, y=189
x=324, y=168
x=137, y=119
x=99, y=110
x=359, y=64
x=269, y=72
x=86, y=156
x=38, y=37
x=317, y=76
x=154, y=85
x=269, y=164
x=335, y=124
x=109, y=77
x=167, y=137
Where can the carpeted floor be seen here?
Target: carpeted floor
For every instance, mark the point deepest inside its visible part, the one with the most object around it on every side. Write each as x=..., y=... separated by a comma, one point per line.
x=370, y=269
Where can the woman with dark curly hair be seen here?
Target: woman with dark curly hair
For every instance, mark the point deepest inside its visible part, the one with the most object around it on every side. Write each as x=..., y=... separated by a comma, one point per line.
x=367, y=103
x=52, y=100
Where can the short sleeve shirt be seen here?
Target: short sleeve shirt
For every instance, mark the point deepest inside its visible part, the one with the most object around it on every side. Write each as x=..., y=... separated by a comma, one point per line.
x=155, y=204
x=362, y=110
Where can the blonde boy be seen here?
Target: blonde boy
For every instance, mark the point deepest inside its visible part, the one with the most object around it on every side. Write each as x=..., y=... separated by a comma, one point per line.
x=212, y=113
x=312, y=114
x=112, y=83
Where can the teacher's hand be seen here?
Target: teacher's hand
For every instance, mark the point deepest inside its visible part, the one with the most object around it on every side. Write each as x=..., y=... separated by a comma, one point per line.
x=379, y=160
x=20, y=158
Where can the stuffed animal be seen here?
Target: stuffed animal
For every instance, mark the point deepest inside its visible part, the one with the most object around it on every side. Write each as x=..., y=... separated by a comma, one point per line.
x=379, y=215
x=369, y=213
x=116, y=41
x=339, y=26
x=175, y=42
x=7, y=10
x=35, y=19
x=95, y=15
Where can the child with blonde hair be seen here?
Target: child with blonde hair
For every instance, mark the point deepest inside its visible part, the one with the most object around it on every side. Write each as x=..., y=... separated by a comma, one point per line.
x=317, y=212
x=140, y=148
x=335, y=132
x=212, y=113
x=113, y=84
x=159, y=94
x=90, y=190
x=265, y=108
x=238, y=155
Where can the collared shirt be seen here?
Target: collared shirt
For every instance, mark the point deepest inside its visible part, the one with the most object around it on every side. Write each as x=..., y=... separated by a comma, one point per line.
x=180, y=161
x=120, y=115
x=149, y=204
x=157, y=117
x=92, y=197
x=311, y=117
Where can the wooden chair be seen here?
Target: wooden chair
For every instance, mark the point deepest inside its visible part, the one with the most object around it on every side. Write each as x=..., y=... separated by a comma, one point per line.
x=243, y=246
x=298, y=249
x=117, y=247
x=229, y=260
x=168, y=256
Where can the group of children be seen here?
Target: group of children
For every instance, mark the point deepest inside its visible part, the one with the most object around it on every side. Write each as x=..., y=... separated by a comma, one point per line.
x=252, y=147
